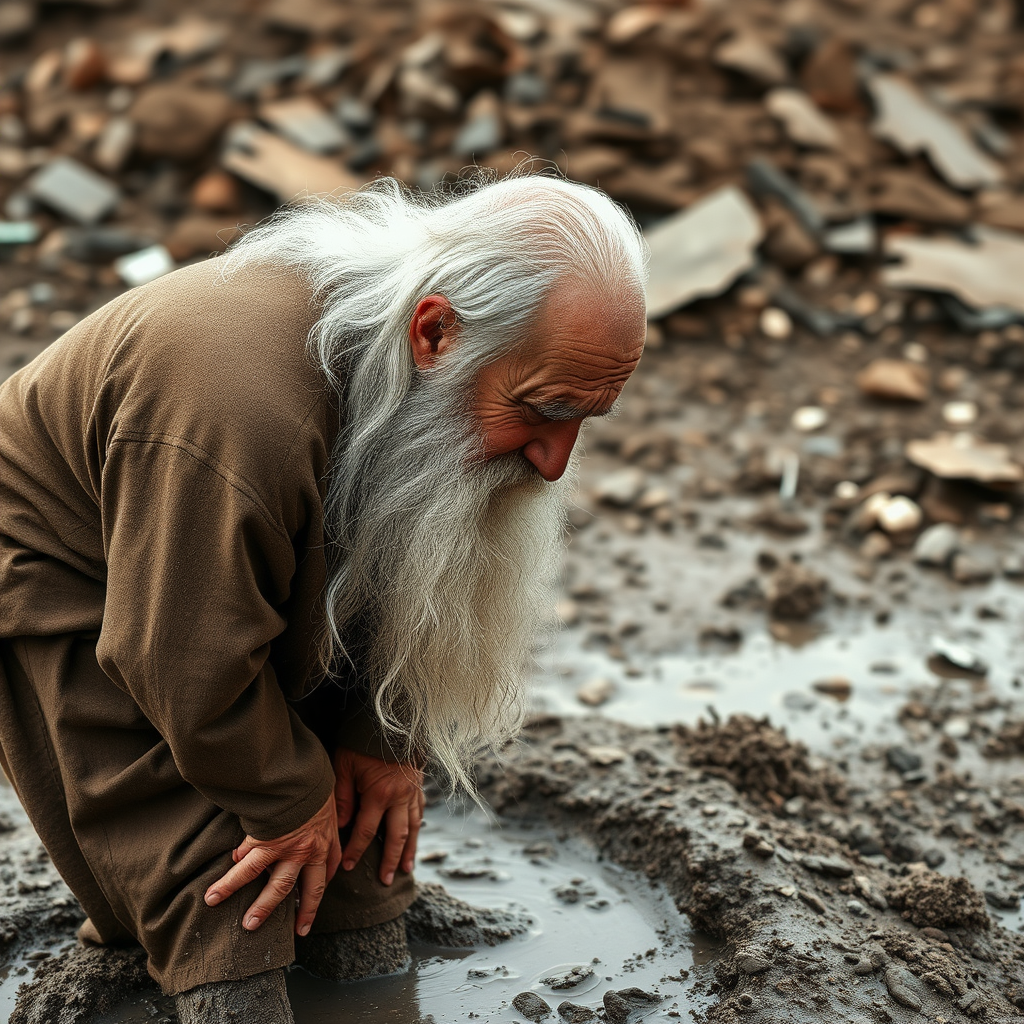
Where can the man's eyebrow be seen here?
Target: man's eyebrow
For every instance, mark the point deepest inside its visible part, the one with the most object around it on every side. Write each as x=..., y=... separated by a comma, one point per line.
x=561, y=411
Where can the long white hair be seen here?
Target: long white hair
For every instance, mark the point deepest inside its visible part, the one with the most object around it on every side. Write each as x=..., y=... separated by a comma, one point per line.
x=440, y=565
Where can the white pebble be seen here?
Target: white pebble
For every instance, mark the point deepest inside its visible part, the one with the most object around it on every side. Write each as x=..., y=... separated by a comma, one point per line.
x=776, y=323
x=809, y=418
x=959, y=414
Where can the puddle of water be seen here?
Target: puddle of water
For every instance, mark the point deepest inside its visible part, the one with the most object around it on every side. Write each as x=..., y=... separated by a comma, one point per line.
x=603, y=911
x=762, y=675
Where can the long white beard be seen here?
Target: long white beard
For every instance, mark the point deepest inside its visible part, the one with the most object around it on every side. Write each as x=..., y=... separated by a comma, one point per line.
x=444, y=578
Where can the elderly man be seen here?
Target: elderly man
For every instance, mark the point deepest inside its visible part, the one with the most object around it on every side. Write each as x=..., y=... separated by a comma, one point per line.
x=277, y=531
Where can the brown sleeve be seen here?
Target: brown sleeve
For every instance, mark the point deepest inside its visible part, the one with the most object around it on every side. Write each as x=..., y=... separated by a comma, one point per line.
x=197, y=567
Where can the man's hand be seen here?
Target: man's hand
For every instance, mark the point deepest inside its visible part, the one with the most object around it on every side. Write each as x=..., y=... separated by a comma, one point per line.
x=309, y=856
x=384, y=789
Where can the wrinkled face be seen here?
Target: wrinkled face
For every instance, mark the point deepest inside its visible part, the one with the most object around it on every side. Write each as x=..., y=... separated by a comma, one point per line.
x=582, y=350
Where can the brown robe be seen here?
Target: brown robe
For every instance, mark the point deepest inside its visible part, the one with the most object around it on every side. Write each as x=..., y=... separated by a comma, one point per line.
x=161, y=562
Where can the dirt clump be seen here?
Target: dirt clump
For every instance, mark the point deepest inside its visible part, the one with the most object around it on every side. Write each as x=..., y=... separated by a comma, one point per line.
x=760, y=761
x=80, y=983
x=931, y=900
x=795, y=592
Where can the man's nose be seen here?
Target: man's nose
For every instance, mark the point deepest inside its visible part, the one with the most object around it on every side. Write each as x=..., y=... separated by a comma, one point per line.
x=550, y=449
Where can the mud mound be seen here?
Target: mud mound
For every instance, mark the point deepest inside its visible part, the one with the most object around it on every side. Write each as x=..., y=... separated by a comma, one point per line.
x=438, y=918
x=75, y=986
x=931, y=900
x=760, y=761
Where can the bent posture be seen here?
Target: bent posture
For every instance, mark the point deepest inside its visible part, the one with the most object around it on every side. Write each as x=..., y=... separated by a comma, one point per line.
x=277, y=531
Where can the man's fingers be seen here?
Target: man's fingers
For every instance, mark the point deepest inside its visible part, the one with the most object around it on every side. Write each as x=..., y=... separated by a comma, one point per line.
x=311, y=892
x=344, y=796
x=365, y=828
x=282, y=880
x=394, y=842
x=251, y=867
x=415, y=821
x=334, y=856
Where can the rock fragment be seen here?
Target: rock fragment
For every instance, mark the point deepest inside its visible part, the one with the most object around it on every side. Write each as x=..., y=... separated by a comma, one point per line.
x=701, y=250
x=896, y=379
x=901, y=985
x=984, y=273
x=913, y=125
x=595, y=692
x=936, y=545
x=178, y=122
x=574, y=1013
x=74, y=190
x=531, y=1006
x=805, y=124
x=961, y=456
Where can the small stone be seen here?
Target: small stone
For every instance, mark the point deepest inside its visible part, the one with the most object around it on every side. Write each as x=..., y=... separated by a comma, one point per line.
x=216, y=192
x=937, y=545
x=595, y=692
x=836, y=687
x=959, y=655
x=966, y=568
x=621, y=489
x=901, y=983
x=900, y=515
x=758, y=845
x=960, y=414
x=776, y=323
x=809, y=418
x=857, y=908
x=902, y=760
x=812, y=901
x=179, y=122
x=751, y=963
x=84, y=64
x=574, y=1013
x=894, y=379
x=531, y=1006
x=832, y=867
x=602, y=756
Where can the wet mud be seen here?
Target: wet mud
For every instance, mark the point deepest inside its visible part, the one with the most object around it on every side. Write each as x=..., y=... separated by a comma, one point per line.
x=813, y=927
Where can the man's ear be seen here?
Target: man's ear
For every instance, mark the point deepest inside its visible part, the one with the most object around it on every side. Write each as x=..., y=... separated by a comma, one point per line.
x=431, y=330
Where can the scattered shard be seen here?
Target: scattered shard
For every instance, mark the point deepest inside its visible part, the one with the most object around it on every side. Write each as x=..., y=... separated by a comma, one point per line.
x=144, y=266
x=276, y=166
x=913, y=125
x=74, y=190
x=958, y=654
x=750, y=56
x=701, y=250
x=983, y=275
x=964, y=457
x=803, y=121
x=302, y=120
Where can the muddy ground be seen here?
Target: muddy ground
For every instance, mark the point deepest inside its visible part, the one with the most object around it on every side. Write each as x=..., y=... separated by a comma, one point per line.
x=874, y=873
